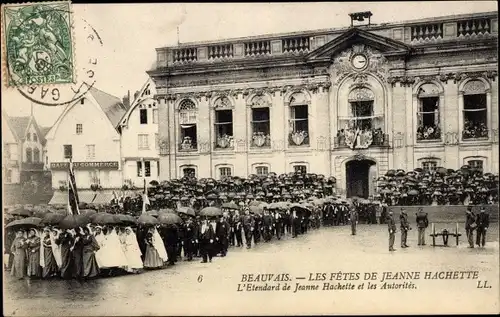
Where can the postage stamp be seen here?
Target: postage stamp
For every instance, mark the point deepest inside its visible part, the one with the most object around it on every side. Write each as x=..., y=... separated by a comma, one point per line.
x=39, y=43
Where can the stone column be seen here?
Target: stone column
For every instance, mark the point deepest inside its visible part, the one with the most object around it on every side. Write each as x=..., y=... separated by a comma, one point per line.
x=452, y=116
x=163, y=135
x=398, y=122
x=204, y=127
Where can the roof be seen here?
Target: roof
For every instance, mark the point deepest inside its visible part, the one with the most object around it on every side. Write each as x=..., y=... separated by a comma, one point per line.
x=112, y=106
x=44, y=130
x=19, y=125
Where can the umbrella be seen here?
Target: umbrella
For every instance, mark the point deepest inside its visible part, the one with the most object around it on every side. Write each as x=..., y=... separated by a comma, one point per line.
x=168, y=219
x=230, y=205
x=87, y=212
x=125, y=219
x=105, y=218
x=188, y=211
x=164, y=211
x=153, y=213
x=147, y=220
x=255, y=209
x=211, y=212
x=254, y=203
x=52, y=218
x=29, y=222
x=74, y=221
x=413, y=192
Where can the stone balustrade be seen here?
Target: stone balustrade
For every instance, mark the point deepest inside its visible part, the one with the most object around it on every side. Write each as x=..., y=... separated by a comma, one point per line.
x=464, y=27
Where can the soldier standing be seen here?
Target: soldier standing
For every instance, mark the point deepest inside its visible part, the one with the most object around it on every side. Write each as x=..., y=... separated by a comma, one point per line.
x=405, y=226
x=483, y=221
x=207, y=236
x=354, y=218
x=422, y=224
x=392, y=230
x=470, y=225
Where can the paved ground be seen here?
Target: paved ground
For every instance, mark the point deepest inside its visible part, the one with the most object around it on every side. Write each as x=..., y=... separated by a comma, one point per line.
x=202, y=289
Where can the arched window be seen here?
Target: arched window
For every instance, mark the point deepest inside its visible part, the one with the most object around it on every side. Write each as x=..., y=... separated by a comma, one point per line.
x=187, y=122
x=429, y=164
x=35, y=138
x=475, y=113
x=36, y=155
x=261, y=121
x=299, y=119
x=28, y=136
x=224, y=171
x=29, y=157
x=223, y=123
x=428, y=127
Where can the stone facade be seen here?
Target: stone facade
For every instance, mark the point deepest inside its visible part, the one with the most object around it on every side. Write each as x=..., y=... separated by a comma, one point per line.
x=365, y=93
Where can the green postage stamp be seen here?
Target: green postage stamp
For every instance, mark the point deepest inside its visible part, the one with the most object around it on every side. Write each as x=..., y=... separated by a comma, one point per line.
x=39, y=43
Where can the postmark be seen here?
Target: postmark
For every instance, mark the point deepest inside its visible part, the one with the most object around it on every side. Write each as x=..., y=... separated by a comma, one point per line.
x=39, y=44
x=86, y=50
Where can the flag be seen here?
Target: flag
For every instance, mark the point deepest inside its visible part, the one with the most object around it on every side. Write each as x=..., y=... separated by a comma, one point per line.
x=145, y=199
x=73, y=200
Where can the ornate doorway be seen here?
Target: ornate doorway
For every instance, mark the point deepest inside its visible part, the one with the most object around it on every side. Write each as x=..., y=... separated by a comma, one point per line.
x=358, y=178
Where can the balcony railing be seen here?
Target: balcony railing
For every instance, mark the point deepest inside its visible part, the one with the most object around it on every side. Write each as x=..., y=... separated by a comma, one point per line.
x=476, y=27
x=224, y=143
x=220, y=51
x=296, y=45
x=32, y=166
x=260, y=141
x=427, y=32
x=258, y=48
x=425, y=134
x=376, y=139
x=188, y=147
x=475, y=134
x=299, y=138
x=185, y=55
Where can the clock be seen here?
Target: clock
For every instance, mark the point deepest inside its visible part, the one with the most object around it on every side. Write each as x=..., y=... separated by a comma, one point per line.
x=359, y=61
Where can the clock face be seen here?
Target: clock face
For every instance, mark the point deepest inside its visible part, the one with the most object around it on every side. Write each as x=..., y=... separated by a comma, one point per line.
x=359, y=61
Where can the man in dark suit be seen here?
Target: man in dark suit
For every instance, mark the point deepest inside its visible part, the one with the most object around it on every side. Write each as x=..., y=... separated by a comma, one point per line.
x=405, y=227
x=207, y=239
x=422, y=224
x=278, y=223
x=237, y=229
x=354, y=218
x=221, y=235
x=470, y=226
x=483, y=222
x=391, y=224
x=190, y=238
x=267, y=223
x=248, y=226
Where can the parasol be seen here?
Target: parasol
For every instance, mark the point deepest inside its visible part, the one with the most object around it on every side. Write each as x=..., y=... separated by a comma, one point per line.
x=230, y=205
x=147, y=220
x=188, y=211
x=21, y=211
x=211, y=212
x=153, y=213
x=255, y=209
x=413, y=192
x=52, y=218
x=164, y=211
x=74, y=221
x=29, y=222
x=168, y=219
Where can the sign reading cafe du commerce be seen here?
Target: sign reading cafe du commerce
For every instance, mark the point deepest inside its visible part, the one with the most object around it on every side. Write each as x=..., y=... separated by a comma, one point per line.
x=85, y=165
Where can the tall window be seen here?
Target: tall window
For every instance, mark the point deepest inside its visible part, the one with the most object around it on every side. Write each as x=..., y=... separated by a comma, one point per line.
x=475, y=112
x=79, y=128
x=94, y=177
x=224, y=128
x=143, y=142
x=224, y=172
x=262, y=170
x=143, y=114
x=187, y=121
x=36, y=155
x=428, y=113
x=261, y=127
x=35, y=138
x=429, y=166
x=68, y=151
x=29, y=155
x=189, y=172
x=302, y=169
x=155, y=116
x=477, y=164
x=141, y=168
x=158, y=167
x=6, y=152
x=299, y=125
x=28, y=137
x=91, y=151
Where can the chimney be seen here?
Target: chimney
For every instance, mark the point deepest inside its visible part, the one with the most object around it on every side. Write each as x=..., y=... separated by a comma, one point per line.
x=126, y=101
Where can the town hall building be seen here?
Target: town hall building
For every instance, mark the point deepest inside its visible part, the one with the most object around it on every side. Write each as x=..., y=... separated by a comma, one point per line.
x=350, y=103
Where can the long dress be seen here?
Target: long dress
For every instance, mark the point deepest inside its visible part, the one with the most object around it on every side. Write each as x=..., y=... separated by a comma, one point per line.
x=112, y=253
x=90, y=266
x=152, y=259
x=47, y=259
x=34, y=268
x=65, y=241
x=56, y=250
x=77, y=255
x=132, y=252
x=99, y=254
x=18, y=250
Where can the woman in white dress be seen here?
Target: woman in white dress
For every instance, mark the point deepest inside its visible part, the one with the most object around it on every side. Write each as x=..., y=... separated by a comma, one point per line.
x=132, y=251
x=114, y=253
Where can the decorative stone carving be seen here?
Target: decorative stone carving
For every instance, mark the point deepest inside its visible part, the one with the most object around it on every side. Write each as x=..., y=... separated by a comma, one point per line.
x=299, y=98
x=474, y=87
x=361, y=94
x=377, y=63
x=359, y=156
x=187, y=105
x=428, y=90
x=222, y=103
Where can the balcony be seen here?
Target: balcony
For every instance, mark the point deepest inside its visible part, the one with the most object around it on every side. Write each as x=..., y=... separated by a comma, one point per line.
x=475, y=134
x=361, y=140
x=260, y=140
x=427, y=32
x=225, y=142
x=188, y=146
x=32, y=166
x=299, y=138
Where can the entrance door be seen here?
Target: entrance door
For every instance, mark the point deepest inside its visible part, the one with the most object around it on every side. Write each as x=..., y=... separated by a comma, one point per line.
x=357, y=178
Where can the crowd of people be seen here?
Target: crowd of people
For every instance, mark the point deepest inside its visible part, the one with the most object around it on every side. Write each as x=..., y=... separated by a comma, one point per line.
x=441, y=186
x=430, y=132
x=474, y=130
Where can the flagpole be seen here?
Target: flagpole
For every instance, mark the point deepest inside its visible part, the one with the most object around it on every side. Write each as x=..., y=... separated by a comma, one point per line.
x=68, y=181
x=145, y=189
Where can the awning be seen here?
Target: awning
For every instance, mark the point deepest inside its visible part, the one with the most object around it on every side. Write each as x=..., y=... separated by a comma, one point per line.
x=86, y=196
x=104, y=197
